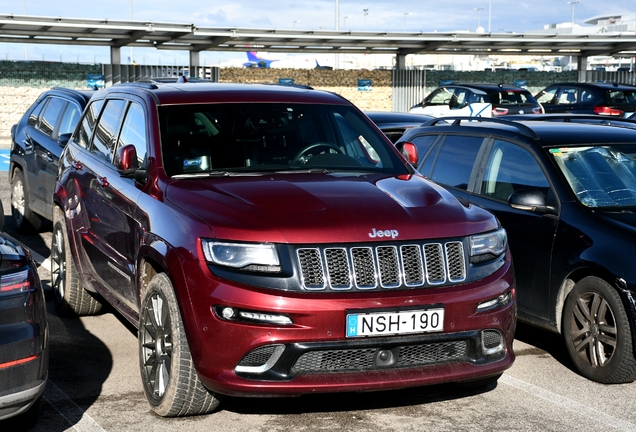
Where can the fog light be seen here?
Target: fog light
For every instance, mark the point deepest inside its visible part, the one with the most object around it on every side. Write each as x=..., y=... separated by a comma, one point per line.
x=227, y=313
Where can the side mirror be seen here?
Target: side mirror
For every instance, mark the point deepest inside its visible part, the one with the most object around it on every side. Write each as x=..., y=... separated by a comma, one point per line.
x=409, y=151
x=530, y=200
x=63, y=139
x=126, y=161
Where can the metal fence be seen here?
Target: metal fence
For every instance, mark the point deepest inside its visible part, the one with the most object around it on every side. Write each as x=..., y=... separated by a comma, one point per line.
x=115, y=74
x=622, y=77
x=409, y=87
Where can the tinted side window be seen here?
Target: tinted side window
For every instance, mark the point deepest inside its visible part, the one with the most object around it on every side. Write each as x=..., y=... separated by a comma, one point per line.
x=568, y=96
x=51, y=115
x=104, y=140
x=69, y=120
x=455, y=161
x=33, y=117
x=133, y=131
x=423, y=144
x=87, y=125
x=511, y=168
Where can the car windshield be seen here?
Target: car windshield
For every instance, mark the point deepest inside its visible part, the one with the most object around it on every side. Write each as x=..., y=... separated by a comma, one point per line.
x=600, y=176
x=235, y=138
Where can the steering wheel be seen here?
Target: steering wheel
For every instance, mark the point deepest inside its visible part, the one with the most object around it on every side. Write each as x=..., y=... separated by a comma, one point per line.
x=305, y=154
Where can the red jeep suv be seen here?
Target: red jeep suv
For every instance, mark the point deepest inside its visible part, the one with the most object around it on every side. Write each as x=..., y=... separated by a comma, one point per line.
x=269, y=240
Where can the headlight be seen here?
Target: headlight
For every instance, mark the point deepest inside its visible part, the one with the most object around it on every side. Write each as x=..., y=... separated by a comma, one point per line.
x=484, y=247
x=250, y=257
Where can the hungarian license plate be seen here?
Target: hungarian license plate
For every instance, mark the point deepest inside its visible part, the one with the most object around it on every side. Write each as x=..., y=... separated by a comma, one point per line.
x=395, y=323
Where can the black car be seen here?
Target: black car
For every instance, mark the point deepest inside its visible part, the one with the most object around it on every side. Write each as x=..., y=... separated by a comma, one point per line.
x=24, y=355
x=478, y=100
x=566, y=194
x=608, y=99
x=393, y=124
x=36, y=143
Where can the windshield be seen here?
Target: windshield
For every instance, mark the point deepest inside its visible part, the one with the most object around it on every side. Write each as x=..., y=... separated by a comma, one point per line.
x=224, y=139
x=600, y=176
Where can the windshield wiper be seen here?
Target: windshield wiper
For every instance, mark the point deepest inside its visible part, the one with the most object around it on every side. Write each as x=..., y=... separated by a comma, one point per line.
x=202, y=175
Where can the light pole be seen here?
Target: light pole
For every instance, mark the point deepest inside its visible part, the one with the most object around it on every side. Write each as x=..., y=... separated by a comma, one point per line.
x=366, y=12
x=26, y=49
x=573, y=3
x=489, y=14
x=479, y=9
x=294, y=23
x=344, y=25
x=132, y=59
x=405, y=14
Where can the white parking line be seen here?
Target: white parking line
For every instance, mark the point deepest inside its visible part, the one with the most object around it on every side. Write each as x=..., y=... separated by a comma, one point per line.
x=68, y=409
x=568, y=404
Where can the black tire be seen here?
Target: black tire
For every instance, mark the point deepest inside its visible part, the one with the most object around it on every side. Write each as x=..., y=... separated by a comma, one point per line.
x=69, y=296
x=597, y=332
x=25, y=220
x=170, y=381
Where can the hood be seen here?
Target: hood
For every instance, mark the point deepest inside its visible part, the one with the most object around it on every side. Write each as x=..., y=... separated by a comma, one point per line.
x=327, y=208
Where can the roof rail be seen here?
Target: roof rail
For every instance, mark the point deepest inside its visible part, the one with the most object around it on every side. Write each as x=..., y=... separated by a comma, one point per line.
x=457, y=121
x=569, y=118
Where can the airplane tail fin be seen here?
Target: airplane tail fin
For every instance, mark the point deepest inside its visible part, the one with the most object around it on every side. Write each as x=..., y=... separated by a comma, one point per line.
x=252, y=56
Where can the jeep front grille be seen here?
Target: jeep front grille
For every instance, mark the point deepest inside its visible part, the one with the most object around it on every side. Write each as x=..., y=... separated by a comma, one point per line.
x=386, y=266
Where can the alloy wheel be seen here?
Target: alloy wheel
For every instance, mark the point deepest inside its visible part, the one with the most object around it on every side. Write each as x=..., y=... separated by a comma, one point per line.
x=593, y=331
x=156, y=341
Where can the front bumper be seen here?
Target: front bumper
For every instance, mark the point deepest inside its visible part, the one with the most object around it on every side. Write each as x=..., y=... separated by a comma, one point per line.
x=313, y=355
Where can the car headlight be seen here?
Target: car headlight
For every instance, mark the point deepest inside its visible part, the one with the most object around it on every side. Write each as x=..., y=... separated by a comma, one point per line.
x=484, y=247
x=260, y=257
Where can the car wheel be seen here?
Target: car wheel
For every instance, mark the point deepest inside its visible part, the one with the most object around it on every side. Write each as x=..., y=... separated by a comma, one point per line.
x=597, y=332
x=25, y=220
x=69, y=296
x=170, y=381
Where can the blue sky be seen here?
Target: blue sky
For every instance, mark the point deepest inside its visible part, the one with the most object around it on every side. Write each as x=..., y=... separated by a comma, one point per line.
x=506, y=16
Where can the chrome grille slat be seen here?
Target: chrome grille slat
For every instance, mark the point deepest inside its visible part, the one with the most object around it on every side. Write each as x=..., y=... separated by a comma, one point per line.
x=386, y=266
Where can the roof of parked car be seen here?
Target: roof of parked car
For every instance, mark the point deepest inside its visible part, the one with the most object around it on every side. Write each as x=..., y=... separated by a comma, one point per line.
x=544, y=133
x=599, y=85
x=187, y=93
x=489, y=86
x=80, y=94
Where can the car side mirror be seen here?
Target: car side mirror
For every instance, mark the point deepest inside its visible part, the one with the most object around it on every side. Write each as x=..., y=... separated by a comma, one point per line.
x=530, y=200
x=409, y=151
x=63, y=139
x=126, y=161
